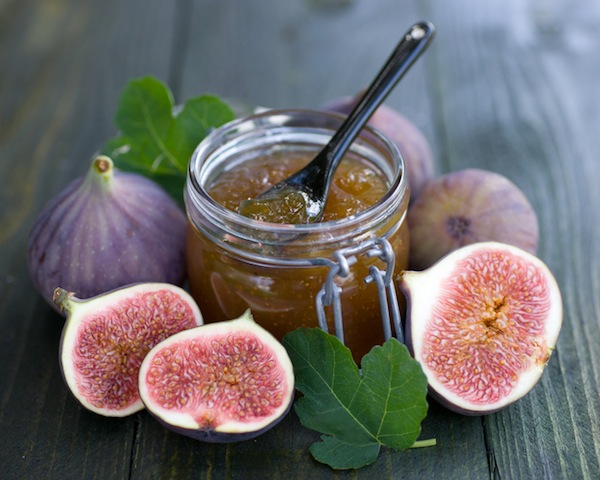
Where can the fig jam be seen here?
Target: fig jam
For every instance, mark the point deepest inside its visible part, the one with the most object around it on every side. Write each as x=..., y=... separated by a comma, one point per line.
x=276, y=270
x=356, y=185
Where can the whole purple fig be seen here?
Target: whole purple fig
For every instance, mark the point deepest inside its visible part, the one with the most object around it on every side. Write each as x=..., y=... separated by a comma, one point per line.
x=465, y=207
x=107, y=229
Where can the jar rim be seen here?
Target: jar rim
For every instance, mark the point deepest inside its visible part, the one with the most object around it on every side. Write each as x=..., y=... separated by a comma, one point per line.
x=198, y=197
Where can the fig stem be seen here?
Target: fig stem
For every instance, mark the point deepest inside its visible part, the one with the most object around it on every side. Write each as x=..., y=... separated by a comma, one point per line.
x=101, y=171
x=102, y=164
x=62, y=298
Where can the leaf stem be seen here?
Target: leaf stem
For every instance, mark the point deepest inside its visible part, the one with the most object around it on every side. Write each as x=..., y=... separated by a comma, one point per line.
x=430, y=442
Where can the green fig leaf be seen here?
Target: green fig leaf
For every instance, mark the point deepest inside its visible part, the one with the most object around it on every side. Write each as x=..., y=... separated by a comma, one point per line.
x=342, y=455
x=358, y=412
x=156, y=139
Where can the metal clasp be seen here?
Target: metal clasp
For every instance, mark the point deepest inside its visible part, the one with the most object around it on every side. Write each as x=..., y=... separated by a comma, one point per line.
x=344, y=258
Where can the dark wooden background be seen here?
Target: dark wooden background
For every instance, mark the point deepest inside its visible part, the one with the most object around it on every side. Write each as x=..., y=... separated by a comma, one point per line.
x=511, y=86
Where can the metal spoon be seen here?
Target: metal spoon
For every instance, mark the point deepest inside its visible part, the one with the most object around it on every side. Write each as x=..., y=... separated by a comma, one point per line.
x=308, y=188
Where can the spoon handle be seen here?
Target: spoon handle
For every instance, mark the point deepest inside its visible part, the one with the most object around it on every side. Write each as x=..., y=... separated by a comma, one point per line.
x=312, y=181
x=408, y=50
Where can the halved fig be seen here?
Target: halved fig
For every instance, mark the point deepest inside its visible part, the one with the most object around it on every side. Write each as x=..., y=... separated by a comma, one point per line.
x=222, y=382
x=105, y=339
x=483, y=322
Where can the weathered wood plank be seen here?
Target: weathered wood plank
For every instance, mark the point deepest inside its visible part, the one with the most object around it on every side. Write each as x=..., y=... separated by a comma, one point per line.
x=304, y=55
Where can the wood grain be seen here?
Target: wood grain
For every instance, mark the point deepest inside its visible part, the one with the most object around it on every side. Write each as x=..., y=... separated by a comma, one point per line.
x=507, y=86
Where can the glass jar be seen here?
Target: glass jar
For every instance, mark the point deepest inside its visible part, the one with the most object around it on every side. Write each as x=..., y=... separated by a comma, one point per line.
x=235, y=263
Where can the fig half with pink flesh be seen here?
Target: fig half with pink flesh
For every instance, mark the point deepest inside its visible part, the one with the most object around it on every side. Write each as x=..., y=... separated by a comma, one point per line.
x=482, y=322
x=105, y=339
x=222, y=382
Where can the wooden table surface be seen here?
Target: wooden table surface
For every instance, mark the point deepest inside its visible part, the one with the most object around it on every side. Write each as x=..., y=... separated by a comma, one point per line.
x=510, y=86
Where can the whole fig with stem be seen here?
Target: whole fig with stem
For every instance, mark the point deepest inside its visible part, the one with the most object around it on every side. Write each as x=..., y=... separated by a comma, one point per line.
x=107, y=229
x=482, y=322
x=222, y=382
x=469, y=206
x=105, y=339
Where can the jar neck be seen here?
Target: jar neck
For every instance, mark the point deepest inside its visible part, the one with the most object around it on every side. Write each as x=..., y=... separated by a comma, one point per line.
x=278, y=243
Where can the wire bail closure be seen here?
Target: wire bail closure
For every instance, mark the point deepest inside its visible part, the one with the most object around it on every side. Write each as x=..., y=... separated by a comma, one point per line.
x=344, y=258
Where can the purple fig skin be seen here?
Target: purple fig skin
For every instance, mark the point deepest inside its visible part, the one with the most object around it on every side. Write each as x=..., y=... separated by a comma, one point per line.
x=107, y=229
x=212, y=436
x=414, y=147
x=465, y=207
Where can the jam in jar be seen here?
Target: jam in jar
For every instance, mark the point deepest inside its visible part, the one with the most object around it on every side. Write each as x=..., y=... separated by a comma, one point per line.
x=277, y=269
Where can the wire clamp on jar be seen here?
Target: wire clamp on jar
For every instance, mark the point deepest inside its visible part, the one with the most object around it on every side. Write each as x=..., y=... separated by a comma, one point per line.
x=344, y=258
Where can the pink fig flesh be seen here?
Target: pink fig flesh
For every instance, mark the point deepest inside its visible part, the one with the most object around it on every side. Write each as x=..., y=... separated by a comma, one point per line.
x=482, y=322
x=105, y=339
x=222, y=382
